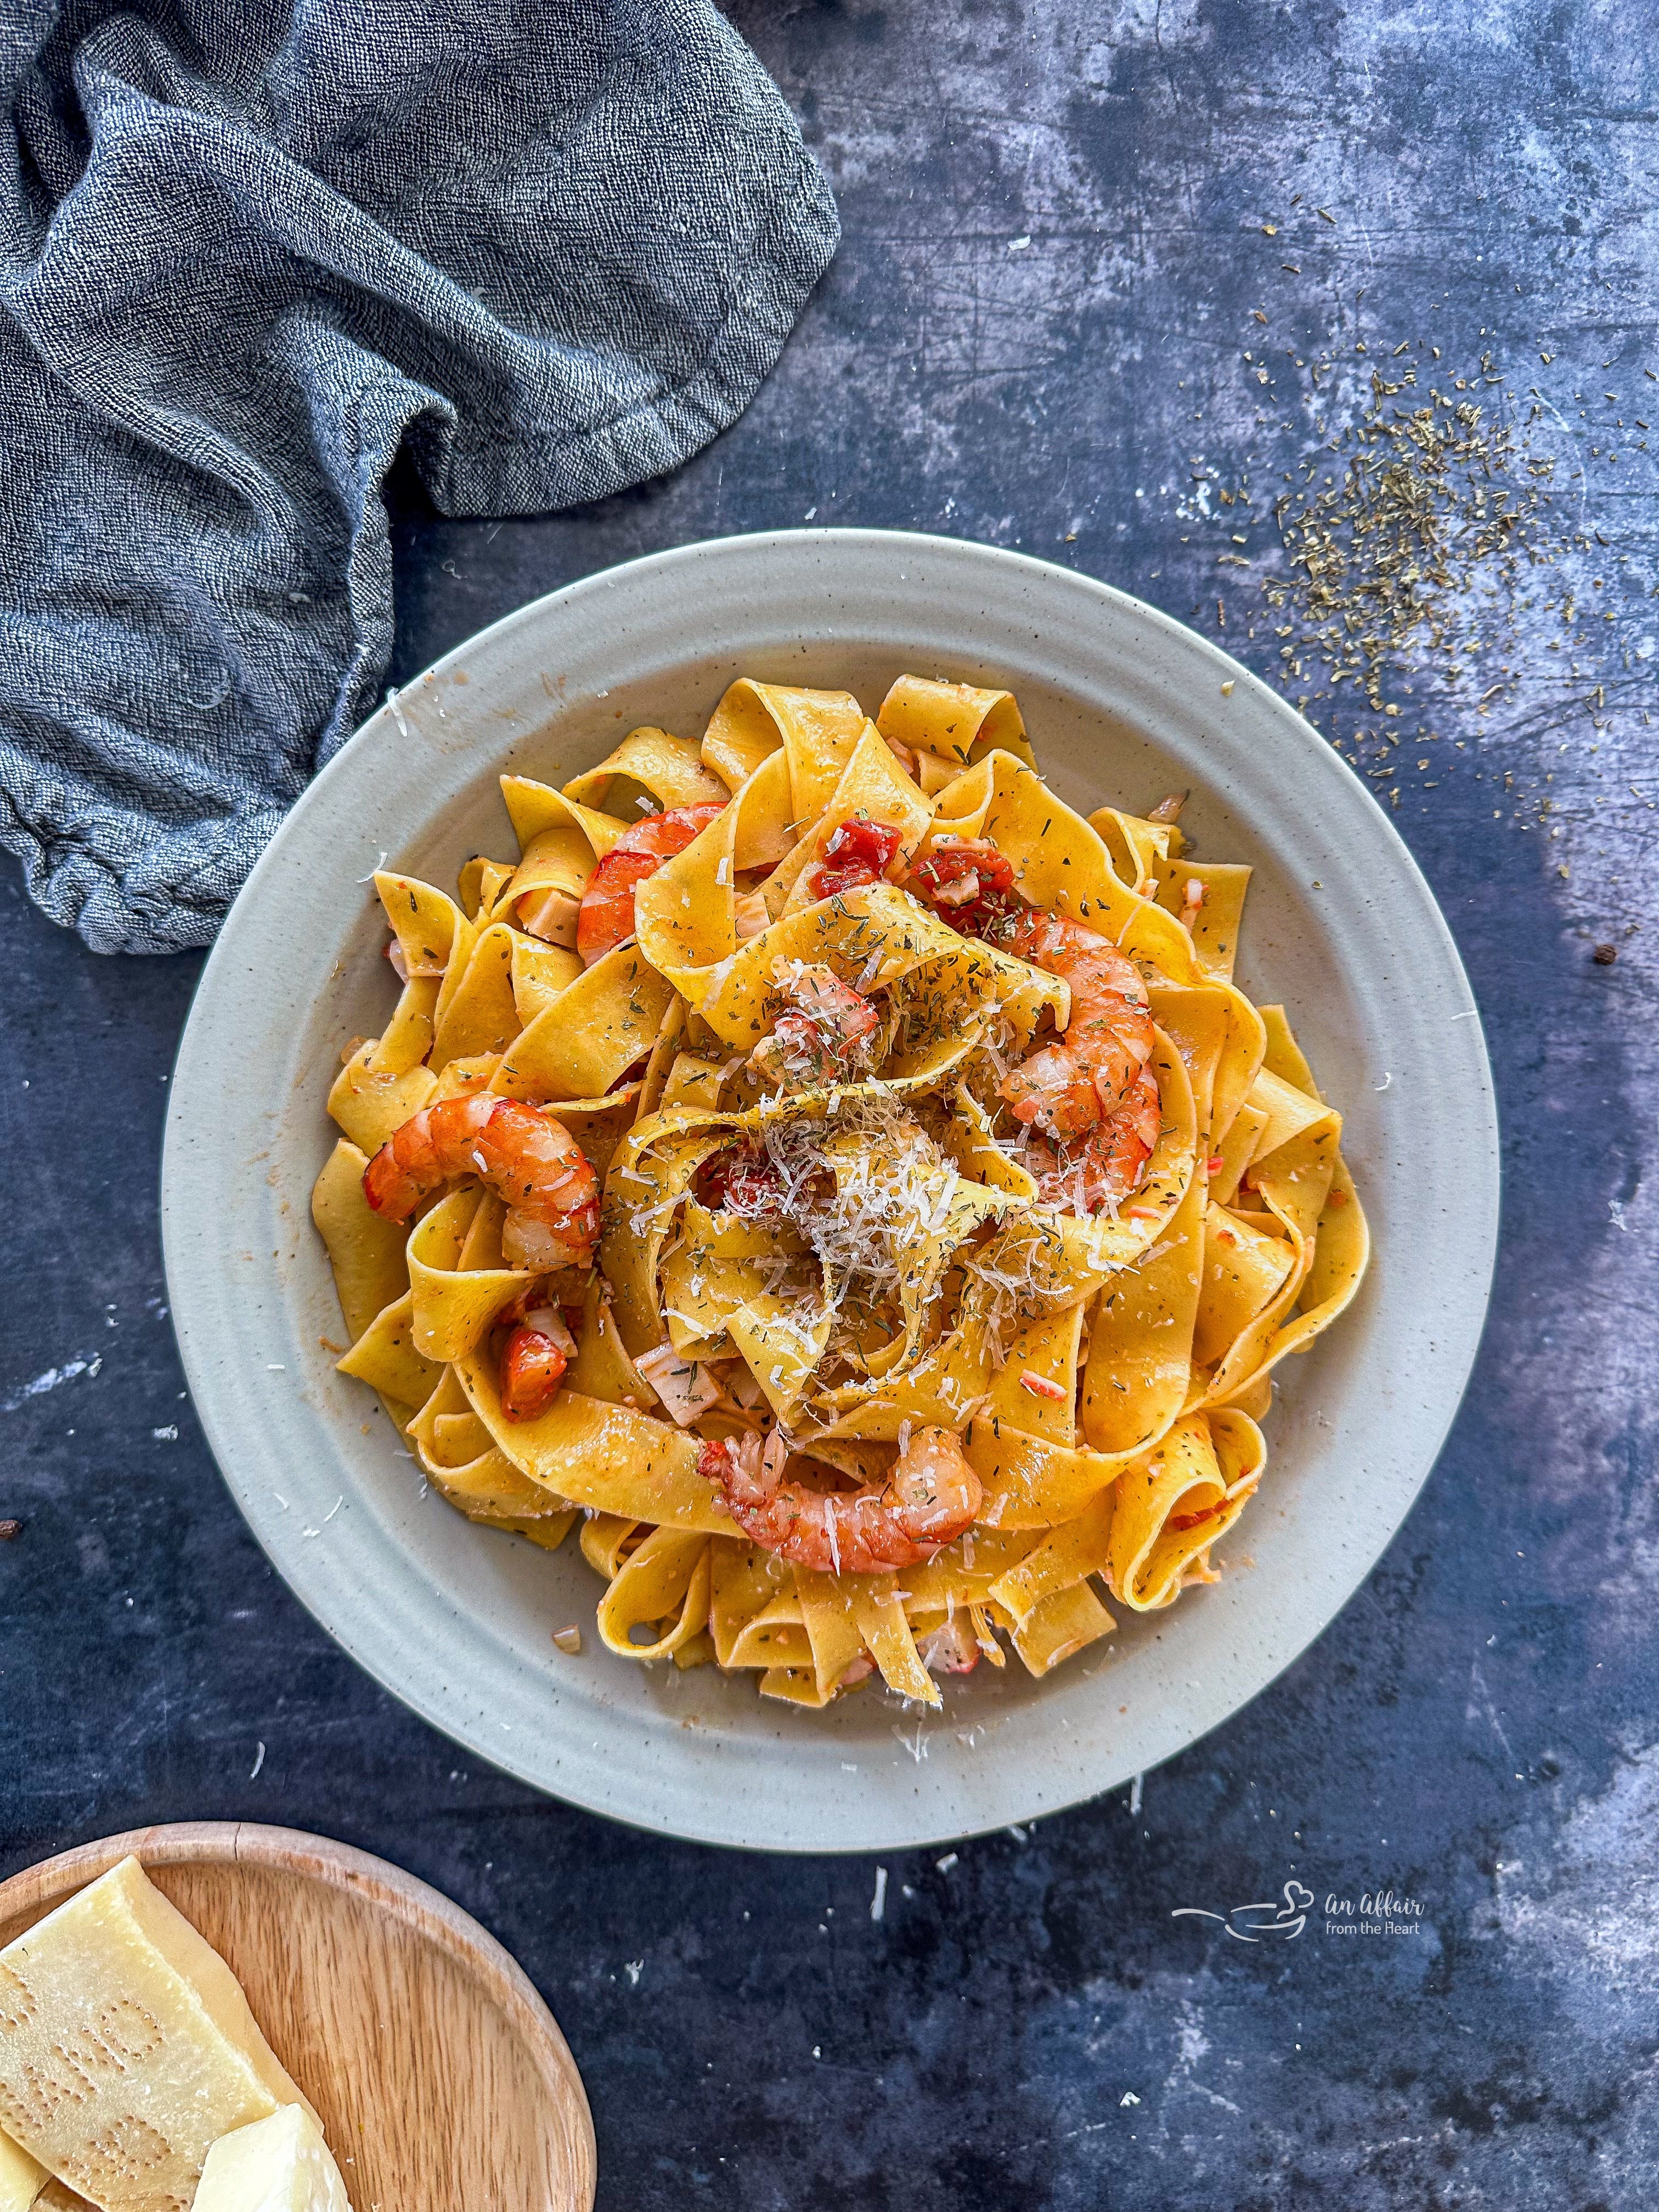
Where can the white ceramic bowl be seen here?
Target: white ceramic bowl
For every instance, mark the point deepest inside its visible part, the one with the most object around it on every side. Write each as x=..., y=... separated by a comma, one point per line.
x=1122, y=704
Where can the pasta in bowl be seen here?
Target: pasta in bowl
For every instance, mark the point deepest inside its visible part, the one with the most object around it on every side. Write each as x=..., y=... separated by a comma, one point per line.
x=845, y=1181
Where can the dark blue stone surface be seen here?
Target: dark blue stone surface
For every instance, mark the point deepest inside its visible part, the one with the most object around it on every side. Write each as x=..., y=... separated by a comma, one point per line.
x=1054, y=262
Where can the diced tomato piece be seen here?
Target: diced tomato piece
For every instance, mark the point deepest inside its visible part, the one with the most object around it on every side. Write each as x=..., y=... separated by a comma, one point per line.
x=743, y=1182
x=532, y=1369
x=857, y=853
x=967, y=881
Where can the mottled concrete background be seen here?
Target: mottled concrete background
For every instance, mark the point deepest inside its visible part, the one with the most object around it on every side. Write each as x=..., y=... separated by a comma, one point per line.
x=1054, y=262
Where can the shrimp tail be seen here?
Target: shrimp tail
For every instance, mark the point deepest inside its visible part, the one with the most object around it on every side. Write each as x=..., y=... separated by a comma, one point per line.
x=604, y=918
x=527, y=1157
x=1092, y=1091
x=930, y=1498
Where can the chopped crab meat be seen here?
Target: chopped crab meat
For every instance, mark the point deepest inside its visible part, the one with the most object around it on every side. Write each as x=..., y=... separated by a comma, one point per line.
x=749, y=912
x=952, y=1648
x=744, y=1388
x=548, y=1321
x=1042, y=1386
x=685, y=1387
x=550, y=915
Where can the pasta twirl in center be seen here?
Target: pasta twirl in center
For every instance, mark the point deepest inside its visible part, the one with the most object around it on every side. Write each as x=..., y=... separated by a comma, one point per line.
x=847, y=1182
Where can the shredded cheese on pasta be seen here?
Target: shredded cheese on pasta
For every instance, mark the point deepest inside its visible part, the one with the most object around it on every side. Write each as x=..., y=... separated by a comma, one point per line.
x=851, y=1249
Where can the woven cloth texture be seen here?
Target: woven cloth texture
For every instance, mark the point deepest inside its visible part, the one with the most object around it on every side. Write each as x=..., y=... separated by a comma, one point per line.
x=248, y=251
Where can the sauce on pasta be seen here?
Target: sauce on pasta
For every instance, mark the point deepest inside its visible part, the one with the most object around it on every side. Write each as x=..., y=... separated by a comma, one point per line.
x=844, y=1183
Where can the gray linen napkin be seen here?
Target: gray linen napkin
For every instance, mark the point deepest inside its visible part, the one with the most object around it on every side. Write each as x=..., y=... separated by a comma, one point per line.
x=250, y=247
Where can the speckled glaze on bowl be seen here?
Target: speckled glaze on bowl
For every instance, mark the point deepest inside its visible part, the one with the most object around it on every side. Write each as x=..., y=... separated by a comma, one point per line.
x=1122, y=704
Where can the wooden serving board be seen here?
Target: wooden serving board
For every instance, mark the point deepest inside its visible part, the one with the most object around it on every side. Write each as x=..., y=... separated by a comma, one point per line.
x=441, y=2077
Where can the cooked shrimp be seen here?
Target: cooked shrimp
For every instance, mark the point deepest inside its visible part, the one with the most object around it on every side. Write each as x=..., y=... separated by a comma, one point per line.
x=1192, y=902
x=929, y=1499
x=967, y=880
x=605, y=916
x=534, y=1162
x=824, y=1032
x=539, y=1347
x=1106, y=1163
x=1067, y=1087
x=744, y=1180
x=952, y=1649
x=532, y=1369
x=858, y=852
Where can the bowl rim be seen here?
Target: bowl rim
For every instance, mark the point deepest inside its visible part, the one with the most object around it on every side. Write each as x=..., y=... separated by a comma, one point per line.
x=978, y=563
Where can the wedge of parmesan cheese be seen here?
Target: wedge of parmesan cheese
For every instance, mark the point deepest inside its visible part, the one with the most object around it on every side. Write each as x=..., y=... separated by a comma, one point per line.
x=127, y=2047
x=21, y=2179
x=278, y=2165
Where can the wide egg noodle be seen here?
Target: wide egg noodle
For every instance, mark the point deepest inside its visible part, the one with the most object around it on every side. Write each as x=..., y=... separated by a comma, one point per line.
x=588, y=1037
x=648, y=762
x=457, y=1457
x=1244, y=1269
x=480, y=884
x=872, y=937
x=458, y=1282
x=974, y=1148
x=662, y=1589
x=371, y=1101
x=610, y=1458
x=490, y=1490
x=429, y=928
x=652, y=1171
x=1140, y=1338
x=1060, y=862
x=940, y=1390
x=1222, y=1042
x=386, y=1357
x=1135, y=846
x=717, y=1265
x=1304, y=1186
x=1107, y=1373
x=1202, y=1474
x=1046, y=1596
x=815, y=731
x=782, y=1342
x=1134, y=1383
x=481, y=1014
x=561, y=842
x=366, y=1252
x=1216, y=926
x=872, y=788
x=686, y=915
x=952, y=721
x=540, y=973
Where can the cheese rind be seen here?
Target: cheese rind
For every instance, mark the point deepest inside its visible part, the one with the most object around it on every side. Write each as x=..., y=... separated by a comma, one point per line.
x=278, y=2165
x=127, y=2047
x=21, y=2179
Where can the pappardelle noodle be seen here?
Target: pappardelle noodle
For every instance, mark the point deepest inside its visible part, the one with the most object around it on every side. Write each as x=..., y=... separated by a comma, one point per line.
x=847, y=1182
